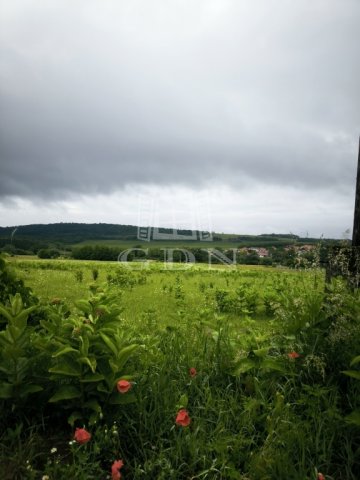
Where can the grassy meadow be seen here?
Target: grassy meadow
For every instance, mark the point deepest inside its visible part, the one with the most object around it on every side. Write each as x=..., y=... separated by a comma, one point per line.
x=159, y=287
x=195, y=373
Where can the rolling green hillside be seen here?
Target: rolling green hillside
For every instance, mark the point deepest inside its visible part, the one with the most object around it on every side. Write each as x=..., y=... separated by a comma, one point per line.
x=35, y=237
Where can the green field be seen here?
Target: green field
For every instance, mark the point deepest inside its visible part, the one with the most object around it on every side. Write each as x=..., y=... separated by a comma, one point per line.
x=254, y=356
x=155, y=287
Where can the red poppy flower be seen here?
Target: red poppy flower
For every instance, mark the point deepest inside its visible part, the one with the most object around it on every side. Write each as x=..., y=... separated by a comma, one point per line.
x=115, y=467
x=192, y=372
x=182, y=418
x=320, y=476
x=293, y=355
x=82, y=436
x=123, y=386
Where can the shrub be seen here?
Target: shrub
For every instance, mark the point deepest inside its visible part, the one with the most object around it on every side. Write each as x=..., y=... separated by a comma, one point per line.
x=10, y=285
x=95, y=274
x=48, y=253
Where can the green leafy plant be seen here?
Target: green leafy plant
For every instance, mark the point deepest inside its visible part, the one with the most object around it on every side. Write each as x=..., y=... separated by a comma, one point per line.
x=354, y=416
x=17, y=377
x=88, y=355
x=242, y=301
x=259, y=360
x=79, y=275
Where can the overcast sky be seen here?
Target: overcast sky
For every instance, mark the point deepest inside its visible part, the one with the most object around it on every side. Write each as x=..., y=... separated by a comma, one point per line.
x=243, y=115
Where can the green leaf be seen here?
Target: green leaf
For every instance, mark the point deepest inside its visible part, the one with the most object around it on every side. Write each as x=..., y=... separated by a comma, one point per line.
x=183, y=402
x=18, y=325
x=67, y=392
x=113, y=366
x=5, y=339
x=125, y=354
x=93, y=419
x=15, y=333
x=102, y=388
x=119, y=399
x=5, y=314
x=123, y=377
x=92, y=377
x=93, y=405
x=83, y=305
x=48, y=326
x=352, y=373
x=355, y=360
x=289, y=337
x=16, y=304
x=63, y=351
x=30, y=389
x=244, y=365
x=84, y=348
x=91, y=362
x=109, y=343
x=261, y=352
x=66, y=369
x=353, y=418
x=24, y=314
x=8, y=369
x=273, y=364
x=6, y=390
x=73, y=417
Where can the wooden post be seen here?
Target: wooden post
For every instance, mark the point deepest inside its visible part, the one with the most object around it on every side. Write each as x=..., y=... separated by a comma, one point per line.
x=356, y=229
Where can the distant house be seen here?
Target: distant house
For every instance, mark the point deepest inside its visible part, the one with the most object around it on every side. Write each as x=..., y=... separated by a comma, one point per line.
x=300, y=249
x=307, y=248
x=262, y=252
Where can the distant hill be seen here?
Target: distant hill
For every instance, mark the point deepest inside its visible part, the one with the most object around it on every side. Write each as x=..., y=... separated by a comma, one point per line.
x=33, y=237
x=72, y=232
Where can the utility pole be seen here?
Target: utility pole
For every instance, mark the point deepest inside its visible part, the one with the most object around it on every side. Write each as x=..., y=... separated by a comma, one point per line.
x=356, y=229
x=355, y=251
x=349, y=256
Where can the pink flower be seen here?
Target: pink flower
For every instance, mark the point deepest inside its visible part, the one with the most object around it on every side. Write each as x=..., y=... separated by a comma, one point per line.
x=115, y=467
x=320, y=476
x=123, y=386
x=192, y=372
x=293, y=355
x=82, y=436
x=182, y=418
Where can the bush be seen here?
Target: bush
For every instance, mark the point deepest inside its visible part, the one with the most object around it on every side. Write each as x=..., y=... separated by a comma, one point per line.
x=48, y=253
x=95, y=274
x=10, y=285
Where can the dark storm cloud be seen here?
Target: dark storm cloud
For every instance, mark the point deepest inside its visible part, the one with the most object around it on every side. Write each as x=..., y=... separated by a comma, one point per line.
x=96, y=96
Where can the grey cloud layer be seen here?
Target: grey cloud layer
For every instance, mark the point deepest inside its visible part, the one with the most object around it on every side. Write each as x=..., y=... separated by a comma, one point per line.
x=98, y=95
